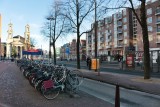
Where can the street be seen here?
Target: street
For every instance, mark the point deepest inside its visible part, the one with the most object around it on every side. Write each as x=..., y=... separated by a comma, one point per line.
x=110, y=67
x=128, y=98
x=15, y=91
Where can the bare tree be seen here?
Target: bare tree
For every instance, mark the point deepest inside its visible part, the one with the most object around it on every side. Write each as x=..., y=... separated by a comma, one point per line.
x=143, y=23
x=33, y=42
x=76, y=12
x=57, y=25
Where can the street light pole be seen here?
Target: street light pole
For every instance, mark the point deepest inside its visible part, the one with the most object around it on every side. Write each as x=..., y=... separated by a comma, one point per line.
x=50, y=19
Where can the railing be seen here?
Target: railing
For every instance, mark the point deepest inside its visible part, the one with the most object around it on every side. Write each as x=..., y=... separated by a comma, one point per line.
x=120, y=37
x=119, y=23
x=158, y=30
x=158, y=22
x=119, y=16
x=108, y=46
x=119, y=30
x=109, y=39
x=157, y=11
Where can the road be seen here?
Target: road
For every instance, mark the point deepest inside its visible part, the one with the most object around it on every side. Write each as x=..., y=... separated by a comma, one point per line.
x=128, y=98
x=109, y=67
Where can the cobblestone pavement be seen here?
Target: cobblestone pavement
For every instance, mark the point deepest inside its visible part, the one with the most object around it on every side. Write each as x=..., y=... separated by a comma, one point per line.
x=15, y=91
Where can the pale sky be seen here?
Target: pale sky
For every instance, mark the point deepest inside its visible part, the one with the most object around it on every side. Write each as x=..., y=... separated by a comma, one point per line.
x=23, y=12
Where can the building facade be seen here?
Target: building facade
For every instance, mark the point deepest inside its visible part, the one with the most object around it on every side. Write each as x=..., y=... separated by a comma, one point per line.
x=153, y=22
x=121, y=30
x=69, y=50
x=16, y=44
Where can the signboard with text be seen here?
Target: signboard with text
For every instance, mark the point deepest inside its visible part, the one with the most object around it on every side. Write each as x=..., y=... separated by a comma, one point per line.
x=130, y=60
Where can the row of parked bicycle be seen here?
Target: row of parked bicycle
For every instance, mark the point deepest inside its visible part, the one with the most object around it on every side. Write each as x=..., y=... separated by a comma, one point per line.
x=50, y=79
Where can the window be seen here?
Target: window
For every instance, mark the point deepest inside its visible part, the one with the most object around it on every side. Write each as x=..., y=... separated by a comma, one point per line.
x=124, y=27
x=150, y=28
x=149, y=20
x=158, y=19
x=124, y=12
x=124, y=20
x=158, y=28
x=125, y=34
x=107, y=26
x=150, y=38
x=149, y=11
x=125, y=41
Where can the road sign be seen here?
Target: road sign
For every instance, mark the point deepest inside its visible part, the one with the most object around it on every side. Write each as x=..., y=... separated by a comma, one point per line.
x=67, y=50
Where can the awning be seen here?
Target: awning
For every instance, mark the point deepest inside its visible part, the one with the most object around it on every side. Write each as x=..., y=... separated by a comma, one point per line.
x=33, y=52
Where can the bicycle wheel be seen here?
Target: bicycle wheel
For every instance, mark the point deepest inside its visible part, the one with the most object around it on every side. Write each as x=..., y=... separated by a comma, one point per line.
x=74, y=79
x=78, y=75
x=50, y=93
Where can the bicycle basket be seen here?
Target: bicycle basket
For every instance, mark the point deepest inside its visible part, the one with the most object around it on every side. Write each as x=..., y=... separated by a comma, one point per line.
x=48, y=84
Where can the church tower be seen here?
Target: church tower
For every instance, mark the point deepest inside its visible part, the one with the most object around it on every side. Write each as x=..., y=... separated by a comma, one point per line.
x=10, y=31
x=9, y=40
x=27, y=36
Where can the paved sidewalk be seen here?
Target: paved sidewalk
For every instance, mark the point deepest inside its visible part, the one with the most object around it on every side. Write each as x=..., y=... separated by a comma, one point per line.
x=16, y=91
x=127, y=81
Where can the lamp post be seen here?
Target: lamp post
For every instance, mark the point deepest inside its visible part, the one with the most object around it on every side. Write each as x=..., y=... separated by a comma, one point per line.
x=123, y=51
x=50, y=19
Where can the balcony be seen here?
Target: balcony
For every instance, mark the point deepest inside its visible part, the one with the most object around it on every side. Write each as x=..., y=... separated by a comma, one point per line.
x=157, y=12
x=119, y=31
x=120, y=37
x=134, y=41
x=158, y=30
x=108, y=46
x=119, y=45
x=108, y=20
x=108, y=34
x=158, y=21
x=158, y=39
x=119, y=23
x=119, y=16
x=109, y=39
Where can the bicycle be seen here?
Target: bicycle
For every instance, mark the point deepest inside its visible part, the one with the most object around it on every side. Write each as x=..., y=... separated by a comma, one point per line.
x=50, y=88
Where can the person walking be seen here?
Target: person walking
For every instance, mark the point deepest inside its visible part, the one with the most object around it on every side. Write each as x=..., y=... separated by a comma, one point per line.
x=88, y=62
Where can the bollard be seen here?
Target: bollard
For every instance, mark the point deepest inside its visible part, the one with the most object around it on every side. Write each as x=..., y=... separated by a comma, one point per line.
x=117, y=97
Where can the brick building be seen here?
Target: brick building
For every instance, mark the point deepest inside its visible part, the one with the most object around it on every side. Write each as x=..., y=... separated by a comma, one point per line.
x=121, y=30
x=69, y=50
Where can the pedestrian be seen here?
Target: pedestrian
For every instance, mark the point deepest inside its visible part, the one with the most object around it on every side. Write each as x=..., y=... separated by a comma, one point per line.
x=88, y=58
x=89, y=63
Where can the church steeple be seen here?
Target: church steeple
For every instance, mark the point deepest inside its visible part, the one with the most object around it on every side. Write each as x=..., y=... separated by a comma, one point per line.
x=27, y=34
x=10, y=31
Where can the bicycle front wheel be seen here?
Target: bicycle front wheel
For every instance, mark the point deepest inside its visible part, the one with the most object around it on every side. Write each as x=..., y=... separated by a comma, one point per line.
x=50, y=93
x=74, y=80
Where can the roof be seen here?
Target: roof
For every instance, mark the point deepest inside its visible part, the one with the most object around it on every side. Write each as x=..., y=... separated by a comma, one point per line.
x=18, y=37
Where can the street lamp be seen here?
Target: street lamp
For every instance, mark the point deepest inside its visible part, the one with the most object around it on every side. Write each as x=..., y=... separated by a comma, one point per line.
x=123, y=51
x=50, y=19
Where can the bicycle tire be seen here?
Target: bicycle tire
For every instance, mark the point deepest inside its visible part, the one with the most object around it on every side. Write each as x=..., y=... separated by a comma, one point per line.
x=50, y=93
x=79, y=76
x=74, y=80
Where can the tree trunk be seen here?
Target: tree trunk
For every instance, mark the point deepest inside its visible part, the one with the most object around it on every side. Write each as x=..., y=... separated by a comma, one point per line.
x=78, y=54
x=54, y=50
x=78, y=35
x=145, y=41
